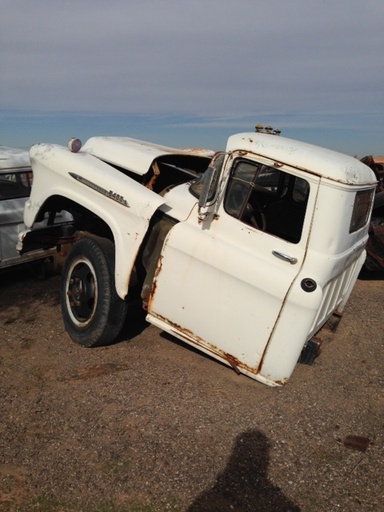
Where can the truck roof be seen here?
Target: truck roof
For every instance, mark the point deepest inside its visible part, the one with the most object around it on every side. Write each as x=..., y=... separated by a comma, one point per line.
x=301, y=155
x=133, y=154
x=12, y=158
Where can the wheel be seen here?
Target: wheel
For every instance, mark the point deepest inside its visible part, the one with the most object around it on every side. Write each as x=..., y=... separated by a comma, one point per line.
x=92, y=311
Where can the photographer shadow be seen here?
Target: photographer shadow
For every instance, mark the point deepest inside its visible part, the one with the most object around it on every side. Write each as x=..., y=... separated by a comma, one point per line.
x=244, y=486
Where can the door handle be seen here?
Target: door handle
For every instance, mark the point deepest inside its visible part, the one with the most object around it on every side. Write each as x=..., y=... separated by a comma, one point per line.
x=285, y=257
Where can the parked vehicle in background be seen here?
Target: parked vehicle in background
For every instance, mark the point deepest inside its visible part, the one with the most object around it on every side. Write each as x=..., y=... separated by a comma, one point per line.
x=15, y=186
x=375, y=245
x=244, y=255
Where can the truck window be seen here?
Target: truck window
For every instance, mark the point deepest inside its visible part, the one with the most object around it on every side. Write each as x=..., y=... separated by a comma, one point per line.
x=361, y=209
x=15, y=184
x=267, y=199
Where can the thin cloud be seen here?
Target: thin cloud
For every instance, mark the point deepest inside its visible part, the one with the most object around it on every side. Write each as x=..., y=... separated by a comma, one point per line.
x=199, y=60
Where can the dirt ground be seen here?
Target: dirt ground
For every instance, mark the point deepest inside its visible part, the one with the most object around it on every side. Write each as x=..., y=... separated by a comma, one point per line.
x=149, y=424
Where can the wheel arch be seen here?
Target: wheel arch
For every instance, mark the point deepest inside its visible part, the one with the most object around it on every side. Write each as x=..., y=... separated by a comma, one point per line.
x=98, y=216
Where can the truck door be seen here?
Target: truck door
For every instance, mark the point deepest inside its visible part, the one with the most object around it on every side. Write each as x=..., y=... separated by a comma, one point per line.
x=221, y=283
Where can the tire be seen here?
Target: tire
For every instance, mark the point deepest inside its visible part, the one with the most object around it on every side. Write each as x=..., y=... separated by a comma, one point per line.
x=92, y=311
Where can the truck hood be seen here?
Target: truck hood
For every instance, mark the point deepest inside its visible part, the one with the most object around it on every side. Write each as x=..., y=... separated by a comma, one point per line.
x=135, y=155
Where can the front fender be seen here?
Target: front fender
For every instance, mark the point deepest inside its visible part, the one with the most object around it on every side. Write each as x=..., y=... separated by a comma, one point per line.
x=125, y=205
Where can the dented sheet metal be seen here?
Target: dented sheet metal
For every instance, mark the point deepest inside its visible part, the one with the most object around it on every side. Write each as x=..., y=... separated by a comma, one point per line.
x=135, y=155
x=125, y=205
x=250, y=280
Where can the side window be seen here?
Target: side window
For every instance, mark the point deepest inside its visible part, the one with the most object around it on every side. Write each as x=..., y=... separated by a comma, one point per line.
x=267, y=199
x=15, y=184
x=239, y=189
x=300, y=191
x=361, y=209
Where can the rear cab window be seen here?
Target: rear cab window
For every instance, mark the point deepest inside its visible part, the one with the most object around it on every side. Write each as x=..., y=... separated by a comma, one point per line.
x=361, y=209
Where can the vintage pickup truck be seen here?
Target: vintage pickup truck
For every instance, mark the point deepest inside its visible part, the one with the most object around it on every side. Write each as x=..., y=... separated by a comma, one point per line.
x=244, y=254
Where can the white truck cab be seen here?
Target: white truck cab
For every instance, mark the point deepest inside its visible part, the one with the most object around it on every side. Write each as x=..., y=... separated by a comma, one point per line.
x=244, y=254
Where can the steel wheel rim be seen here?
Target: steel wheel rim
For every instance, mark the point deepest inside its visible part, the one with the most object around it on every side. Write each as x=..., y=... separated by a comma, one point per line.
x=81, y=292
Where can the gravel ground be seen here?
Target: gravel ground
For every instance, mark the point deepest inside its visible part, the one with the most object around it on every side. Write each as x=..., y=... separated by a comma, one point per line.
x=149, y=424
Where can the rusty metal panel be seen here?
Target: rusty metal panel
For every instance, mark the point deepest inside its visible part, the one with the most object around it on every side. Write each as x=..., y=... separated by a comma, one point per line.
x=375, y=245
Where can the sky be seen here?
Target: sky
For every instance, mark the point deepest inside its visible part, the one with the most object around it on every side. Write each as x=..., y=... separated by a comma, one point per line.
x=191, y=73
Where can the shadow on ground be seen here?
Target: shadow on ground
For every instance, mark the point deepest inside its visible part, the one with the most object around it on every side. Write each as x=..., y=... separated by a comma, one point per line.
x=135, y=322
x=244, y=486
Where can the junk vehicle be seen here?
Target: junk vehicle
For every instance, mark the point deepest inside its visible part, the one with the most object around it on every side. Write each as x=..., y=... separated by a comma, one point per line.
x=375, y=245
x=15, y=186
x=244, y=254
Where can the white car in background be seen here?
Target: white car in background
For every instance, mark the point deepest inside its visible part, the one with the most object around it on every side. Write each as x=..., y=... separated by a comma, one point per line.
x=15, y=186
